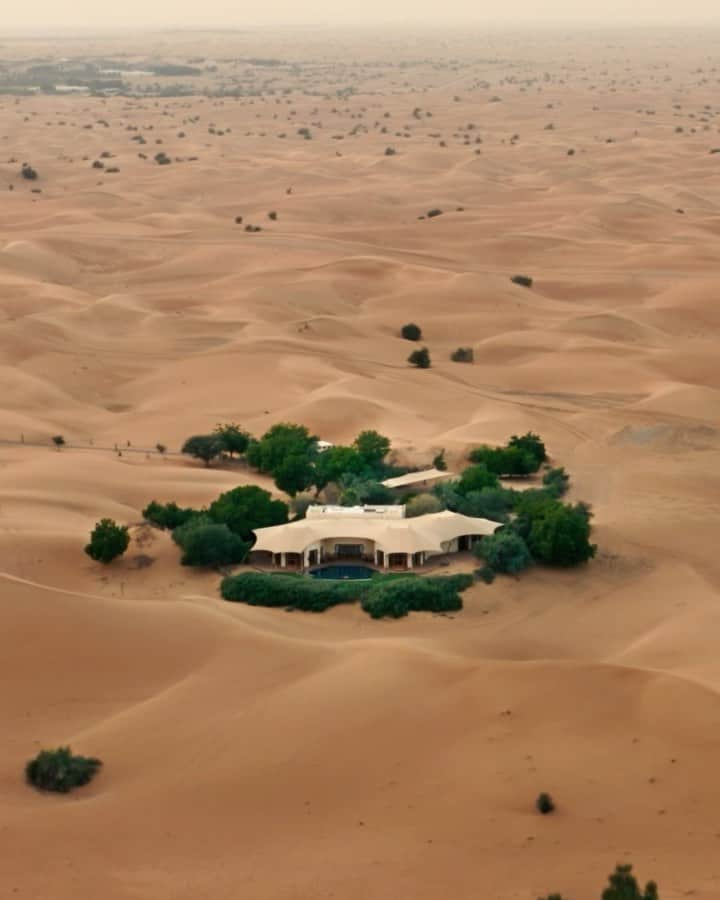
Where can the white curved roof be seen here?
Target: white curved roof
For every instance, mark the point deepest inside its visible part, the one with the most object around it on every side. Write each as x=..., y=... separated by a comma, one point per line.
x=414, y=535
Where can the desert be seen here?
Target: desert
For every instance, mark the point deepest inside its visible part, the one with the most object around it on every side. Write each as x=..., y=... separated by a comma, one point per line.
x=252, y=752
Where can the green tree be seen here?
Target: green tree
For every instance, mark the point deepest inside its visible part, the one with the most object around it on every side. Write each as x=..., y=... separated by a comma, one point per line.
x=167, y=515
x=278, y=443
x=488, y=503
x=206, y=447
x=475, y=478
x=59, y=441
x=373, y=447
x=359, y=490
x=560, y=535
x=232, y=438
x=60, y=771
x=505, y=460
x=545, y=804
x=505, y=551
x=422, y=505
x=531, y=443
x=245, y=508
x=108, y=540
x=556, y=482
x=439, y=462
x=295, y=474
x=411, y=332
x=335, y=462
x=420, y=358
x=623, y=886
x=213, y=545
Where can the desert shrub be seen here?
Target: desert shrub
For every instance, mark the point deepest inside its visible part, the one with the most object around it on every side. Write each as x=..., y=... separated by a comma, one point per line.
x=463, y=355
x=206, y=447
x=420, y=358
x=161, y=448
x=390, y=151
x=58, y=440
x=245, y=508
x=531, y=443
x=504, y=551
x=506, y=460
x=411, y=332
x=28, y=173
x=212, y=545
x=60, y=771
x=523, y=280
x=556, y=482
x=98, y=164
x=422, y=505
x=167, y=515
x=162, y=159
x=486, y=574
x=433, y=213
x=439, y=462
x=623, y=886
x=108, y=540
x=396, y=597
x=544, y=804
x=289, y=591
x=272, y=216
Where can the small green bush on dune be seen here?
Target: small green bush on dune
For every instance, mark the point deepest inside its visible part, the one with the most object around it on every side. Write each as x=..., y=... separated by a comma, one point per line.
x=60, y=771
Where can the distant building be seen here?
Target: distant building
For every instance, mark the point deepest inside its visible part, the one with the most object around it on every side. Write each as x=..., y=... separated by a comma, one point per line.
x=417, y=481
x=379, y=535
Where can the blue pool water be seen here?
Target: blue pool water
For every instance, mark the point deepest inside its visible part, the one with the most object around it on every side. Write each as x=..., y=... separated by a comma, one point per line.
x=343, y=573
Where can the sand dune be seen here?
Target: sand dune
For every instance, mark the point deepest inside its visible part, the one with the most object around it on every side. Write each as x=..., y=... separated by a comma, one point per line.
x=275, y=756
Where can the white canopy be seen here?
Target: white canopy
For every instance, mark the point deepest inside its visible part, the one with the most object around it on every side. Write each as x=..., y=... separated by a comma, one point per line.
x=422, y=533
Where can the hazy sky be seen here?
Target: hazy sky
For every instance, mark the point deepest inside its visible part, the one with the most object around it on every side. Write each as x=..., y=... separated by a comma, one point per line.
x=131, y=13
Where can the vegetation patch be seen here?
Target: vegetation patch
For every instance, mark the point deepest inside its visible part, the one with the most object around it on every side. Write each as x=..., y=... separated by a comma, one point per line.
x=60, y=771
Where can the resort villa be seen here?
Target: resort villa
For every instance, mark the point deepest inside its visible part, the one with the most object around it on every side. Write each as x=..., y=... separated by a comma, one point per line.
x=381, y=536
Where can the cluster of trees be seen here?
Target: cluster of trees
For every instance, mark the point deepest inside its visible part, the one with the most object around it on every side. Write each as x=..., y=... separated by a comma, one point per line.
x=381, y=596
x=221, y=534
x=520, y=456
x=622, y=885
x=290, y=454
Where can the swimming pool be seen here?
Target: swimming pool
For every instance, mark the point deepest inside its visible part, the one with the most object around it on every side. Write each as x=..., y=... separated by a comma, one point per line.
x=343, y=573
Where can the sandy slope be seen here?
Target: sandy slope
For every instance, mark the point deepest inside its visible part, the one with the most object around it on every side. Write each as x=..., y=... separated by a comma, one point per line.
x=260, y=754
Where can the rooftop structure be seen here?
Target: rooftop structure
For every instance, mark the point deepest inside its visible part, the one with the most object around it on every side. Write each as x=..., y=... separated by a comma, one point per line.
x=416, y=479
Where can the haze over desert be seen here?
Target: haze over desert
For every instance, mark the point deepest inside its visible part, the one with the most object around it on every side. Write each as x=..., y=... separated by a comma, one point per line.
x=257, y=753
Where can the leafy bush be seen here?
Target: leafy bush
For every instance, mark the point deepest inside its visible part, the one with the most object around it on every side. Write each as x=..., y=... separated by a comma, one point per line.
x=463, y=355
x=396, y=597
x=623, y=886
x=212, y=545
x=206, y=447
x=556, y=482
x=505, y=551
x=422, y=505
x=58, y=440
x=557, y=534
x=359, y=490
x=492, y=503
x=432, y=213
x=544, y=804
x=293, y=591
x=506, y=460
x=420, y=358
x=523, y=280
x=531, y=443
x=372, y=446
x=411, y=332
x=108, y=540
x=439, y=462
x=167, y=515
x=60, y=771
x=245, y=508
x=486, y=574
